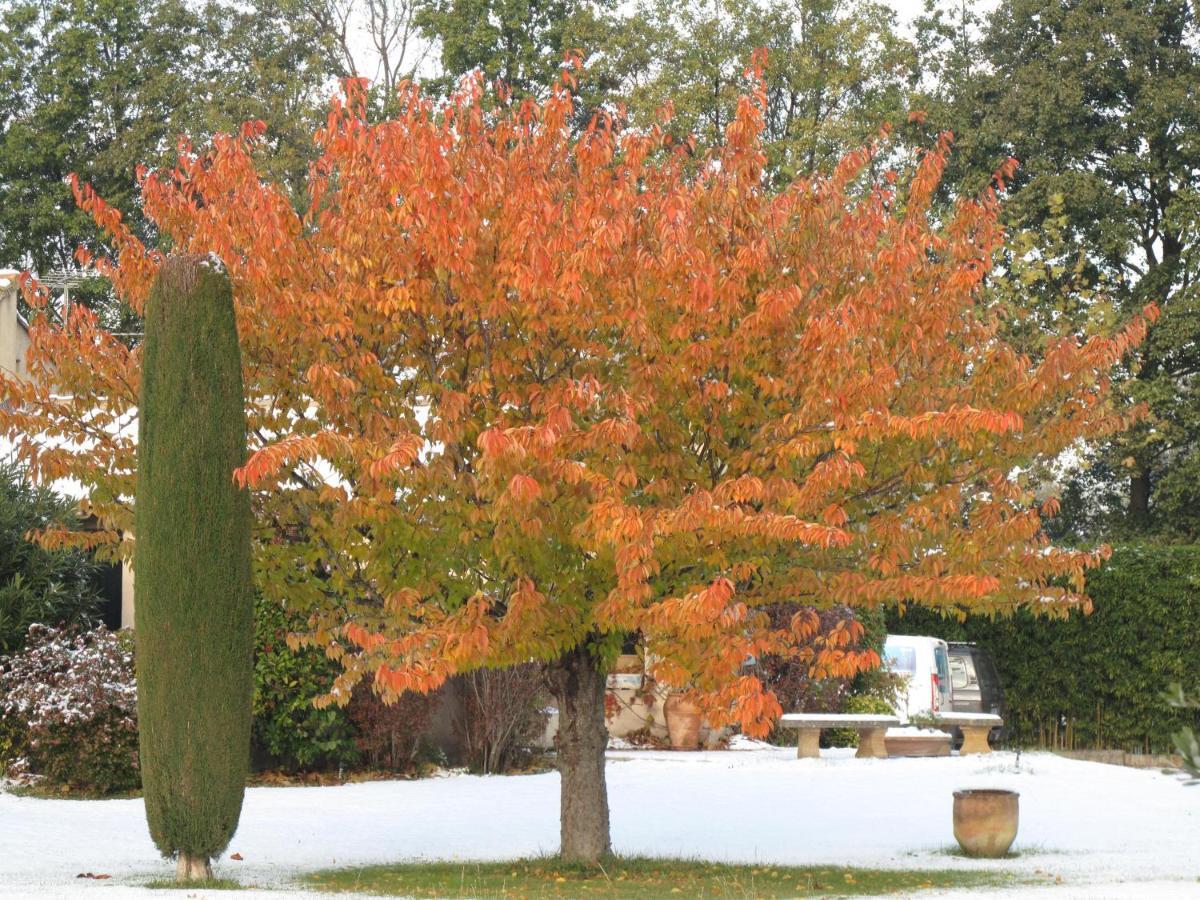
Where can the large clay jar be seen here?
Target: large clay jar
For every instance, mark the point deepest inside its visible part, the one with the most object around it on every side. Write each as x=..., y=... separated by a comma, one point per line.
x=985, y=822
x=683, y=722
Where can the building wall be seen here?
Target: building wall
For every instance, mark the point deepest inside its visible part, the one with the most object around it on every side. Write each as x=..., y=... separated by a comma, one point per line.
x=14, y=336
x=126, y=595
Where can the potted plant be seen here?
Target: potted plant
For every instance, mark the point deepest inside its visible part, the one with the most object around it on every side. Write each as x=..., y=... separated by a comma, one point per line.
x=683, y=722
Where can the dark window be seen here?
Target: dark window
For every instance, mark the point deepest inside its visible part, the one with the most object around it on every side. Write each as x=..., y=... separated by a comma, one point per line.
x=110, y=596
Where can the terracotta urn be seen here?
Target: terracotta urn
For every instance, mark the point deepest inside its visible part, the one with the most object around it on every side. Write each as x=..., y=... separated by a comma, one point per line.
x=683, y=722
x=985, y=822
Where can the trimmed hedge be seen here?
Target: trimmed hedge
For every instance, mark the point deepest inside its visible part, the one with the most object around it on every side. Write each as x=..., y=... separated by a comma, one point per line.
x=1095, y=681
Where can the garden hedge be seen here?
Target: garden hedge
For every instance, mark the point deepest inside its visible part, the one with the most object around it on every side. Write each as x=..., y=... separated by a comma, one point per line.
x=1095, y=681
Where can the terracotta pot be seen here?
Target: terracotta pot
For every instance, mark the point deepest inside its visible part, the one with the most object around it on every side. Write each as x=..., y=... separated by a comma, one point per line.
x=683, y=723
x=985, y=822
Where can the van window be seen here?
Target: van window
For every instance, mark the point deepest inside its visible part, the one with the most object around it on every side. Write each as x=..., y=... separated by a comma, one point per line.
x=958, y=673
x=901, y=659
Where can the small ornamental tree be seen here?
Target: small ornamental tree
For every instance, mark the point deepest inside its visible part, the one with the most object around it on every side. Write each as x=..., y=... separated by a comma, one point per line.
x=193, y=619
x=517, y=392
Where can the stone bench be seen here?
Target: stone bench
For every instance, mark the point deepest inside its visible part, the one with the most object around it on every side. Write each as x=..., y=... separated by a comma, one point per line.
x=870, y=728
x=975, y=729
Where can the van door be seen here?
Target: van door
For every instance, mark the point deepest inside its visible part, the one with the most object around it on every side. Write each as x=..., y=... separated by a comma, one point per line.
x=940, y=689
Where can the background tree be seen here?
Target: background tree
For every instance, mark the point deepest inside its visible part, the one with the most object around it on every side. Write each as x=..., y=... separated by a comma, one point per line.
x=837, y=71
x=518, y=42
x=194, y=615
x=1098, y=102
x=379, y=40
x=101, y=87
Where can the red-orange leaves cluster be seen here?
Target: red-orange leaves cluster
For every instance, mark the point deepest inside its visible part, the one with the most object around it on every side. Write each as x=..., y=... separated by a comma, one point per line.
x=515, y=389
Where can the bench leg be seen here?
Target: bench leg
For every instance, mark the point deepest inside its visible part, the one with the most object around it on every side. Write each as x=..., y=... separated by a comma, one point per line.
x=808, y=745
x=975, y=740
x=870, y=743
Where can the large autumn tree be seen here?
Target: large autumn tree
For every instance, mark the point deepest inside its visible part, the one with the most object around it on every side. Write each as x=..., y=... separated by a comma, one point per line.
x=516, y=392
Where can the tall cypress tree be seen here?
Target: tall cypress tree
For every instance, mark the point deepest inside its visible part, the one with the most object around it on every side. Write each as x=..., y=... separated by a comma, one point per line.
x=194, y=612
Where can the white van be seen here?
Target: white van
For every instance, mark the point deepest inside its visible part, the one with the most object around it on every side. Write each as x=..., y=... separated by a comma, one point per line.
x=925, y=661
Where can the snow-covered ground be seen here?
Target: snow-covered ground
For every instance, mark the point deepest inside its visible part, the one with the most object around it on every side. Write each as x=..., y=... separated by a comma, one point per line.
x=1106, y=831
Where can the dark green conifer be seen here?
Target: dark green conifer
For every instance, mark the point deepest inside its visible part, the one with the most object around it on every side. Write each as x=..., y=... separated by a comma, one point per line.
x=194, y=606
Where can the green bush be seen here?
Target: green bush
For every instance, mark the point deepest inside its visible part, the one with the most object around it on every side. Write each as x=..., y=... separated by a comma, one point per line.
x=855, y=703
x=1095, y=681
x=37, y=585
x=289, y=733
x=1187, y=744
x=12, y=739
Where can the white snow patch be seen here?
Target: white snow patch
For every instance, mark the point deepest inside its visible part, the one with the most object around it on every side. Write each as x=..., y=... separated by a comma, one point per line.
x=1096, y=826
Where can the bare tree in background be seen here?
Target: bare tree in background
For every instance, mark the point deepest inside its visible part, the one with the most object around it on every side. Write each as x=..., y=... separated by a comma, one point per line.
x=374, y=39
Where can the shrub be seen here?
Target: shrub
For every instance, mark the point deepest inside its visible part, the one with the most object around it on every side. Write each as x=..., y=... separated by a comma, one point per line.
x=1187, y=745
x=1094, y=681
x=69, y=702
x=50, y=587
x=289, y=732
x=500, y=716
x=12, y=740
x=855, y=703
x=389, y=734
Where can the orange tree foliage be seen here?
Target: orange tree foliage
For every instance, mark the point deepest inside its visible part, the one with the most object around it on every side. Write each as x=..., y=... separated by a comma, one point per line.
x=514, y=389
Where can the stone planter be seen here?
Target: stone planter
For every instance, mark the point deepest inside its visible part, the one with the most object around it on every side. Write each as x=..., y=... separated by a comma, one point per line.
x=985, y=822
x=683, y=723
x=916, y=742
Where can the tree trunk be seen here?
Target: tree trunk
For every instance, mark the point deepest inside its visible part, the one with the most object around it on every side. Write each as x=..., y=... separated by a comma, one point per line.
x=1139, y=497
x=192, y=868
x=578, y=686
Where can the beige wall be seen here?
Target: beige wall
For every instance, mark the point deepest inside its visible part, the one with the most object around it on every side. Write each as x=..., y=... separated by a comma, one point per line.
x=632, y=707
x=126, y=595
x=14, y=338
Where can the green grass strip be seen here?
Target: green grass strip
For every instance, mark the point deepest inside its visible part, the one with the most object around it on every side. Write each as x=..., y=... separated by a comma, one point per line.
x=642, y=878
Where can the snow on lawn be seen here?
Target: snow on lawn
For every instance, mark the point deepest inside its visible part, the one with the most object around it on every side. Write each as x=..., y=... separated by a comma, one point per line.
x=1086, y=822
